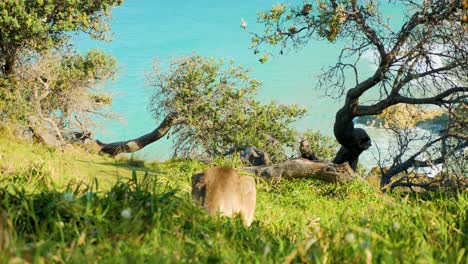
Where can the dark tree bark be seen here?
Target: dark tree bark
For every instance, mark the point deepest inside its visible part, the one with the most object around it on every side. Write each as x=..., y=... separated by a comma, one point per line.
x=305, y=169
x=9, y=67
x=133, y=145
x=306, y=151
x=9, y=62
x=353, y=140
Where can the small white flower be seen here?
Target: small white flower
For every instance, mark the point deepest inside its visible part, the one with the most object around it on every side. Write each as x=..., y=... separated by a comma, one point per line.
x=350, y=237
x=396, y=225
x=266, y=250
x=126, y=213
x=366, y=231
x=148, y=204
x=68, y=196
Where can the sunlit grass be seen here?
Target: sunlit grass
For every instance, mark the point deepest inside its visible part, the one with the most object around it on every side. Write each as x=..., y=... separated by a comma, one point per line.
x=77, y=207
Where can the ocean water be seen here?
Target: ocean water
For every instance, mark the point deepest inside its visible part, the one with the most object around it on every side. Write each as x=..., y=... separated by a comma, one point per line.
x=145, y=30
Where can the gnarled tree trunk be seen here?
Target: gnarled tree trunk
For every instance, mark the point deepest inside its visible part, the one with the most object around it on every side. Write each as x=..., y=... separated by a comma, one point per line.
x=353, y=140
x=9, y=67
x=133, y=145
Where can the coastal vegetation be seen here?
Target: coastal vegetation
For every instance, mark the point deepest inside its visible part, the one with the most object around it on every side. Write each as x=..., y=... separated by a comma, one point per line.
x=46, y=87
x=66, y=196
x=56, y=207
x=210, y=107
x=420, y=61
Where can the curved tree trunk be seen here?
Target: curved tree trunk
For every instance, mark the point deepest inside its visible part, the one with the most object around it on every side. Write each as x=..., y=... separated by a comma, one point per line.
x=353, y=140
x=9, y=67
x=9, y=62
x=133, y=145
x=303, y=168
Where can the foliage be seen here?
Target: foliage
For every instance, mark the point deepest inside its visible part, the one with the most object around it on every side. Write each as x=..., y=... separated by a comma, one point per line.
x=283, y=23
x=35, y=26
x=329, y=20
x=60, y=91
x=217, y=103
x=44, y=85
x=12, y=106
x=324, y=147
x=149, y=217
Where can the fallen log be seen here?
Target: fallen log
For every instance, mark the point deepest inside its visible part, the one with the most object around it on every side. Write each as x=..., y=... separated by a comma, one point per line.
x=306, y=169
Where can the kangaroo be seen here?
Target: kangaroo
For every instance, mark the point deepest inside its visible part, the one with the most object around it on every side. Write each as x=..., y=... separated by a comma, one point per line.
x=221, y=189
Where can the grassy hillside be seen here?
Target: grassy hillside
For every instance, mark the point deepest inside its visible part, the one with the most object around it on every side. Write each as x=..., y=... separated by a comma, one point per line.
x=75, y=207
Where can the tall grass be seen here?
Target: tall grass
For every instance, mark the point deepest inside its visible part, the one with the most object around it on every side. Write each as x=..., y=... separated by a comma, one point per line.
x=144, y=213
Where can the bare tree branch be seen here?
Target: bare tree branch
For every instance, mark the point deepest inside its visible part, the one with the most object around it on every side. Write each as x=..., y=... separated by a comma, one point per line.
x=394, y=99
x=133, y=145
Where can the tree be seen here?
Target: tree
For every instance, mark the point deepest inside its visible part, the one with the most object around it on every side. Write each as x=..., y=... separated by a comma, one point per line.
x=212, y=109
x=61, y=95
x=38, y=25
x=424, y=62
x=44, y=84
x=57, y=95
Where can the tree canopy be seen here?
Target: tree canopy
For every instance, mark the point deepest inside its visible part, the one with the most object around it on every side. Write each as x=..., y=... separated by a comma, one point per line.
x=45, y=85
x=212, y=107
x=37, y=25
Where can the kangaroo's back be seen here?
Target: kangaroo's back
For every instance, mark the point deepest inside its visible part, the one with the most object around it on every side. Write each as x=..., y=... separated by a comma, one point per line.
x=221, y=189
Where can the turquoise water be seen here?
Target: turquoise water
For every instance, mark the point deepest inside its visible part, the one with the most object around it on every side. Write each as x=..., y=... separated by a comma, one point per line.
x=146, y=29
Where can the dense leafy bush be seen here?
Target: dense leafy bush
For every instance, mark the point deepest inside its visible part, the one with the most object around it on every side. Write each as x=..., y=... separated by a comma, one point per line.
x=218, y=105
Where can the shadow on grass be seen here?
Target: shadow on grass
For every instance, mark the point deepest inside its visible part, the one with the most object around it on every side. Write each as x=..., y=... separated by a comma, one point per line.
x=125, y=164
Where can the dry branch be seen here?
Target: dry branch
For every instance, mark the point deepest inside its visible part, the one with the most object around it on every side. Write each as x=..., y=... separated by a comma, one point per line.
x=138, y=143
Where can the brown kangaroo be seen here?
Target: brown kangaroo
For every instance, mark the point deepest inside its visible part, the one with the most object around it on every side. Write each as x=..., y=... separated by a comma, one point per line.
x=221, y=189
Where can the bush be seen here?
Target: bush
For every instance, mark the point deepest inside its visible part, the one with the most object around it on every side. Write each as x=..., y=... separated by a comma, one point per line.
x=219, y=110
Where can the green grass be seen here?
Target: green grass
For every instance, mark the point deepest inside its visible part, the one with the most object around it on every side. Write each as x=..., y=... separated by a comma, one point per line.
x=74, y=207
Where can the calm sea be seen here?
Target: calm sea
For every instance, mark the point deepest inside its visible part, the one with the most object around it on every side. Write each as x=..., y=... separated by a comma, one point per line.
x=147, y=29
